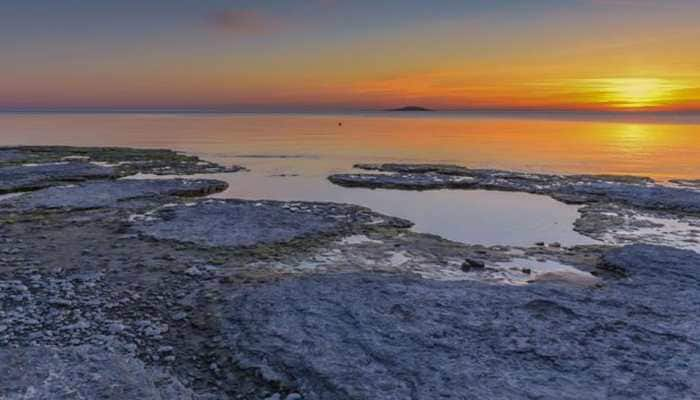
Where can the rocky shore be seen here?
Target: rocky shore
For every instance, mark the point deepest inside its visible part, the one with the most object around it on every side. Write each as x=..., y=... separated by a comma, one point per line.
x=120, y=288
x=617, y=209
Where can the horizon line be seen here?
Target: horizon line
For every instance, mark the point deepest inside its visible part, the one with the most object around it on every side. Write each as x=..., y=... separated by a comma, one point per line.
x=324, y=110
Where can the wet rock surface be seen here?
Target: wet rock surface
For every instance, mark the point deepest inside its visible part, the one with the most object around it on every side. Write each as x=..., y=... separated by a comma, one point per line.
x=109, y=193
x=241, y=223
x=32, y=177
x=615, y=209
x=347, y=336
x=575, y=189
x=126, y=161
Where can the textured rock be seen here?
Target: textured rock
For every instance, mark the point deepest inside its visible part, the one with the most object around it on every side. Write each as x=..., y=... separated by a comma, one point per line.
x=32, y=177
x=110, y=193
x=83, y=372
x=126, y=161
x=11, y=156
x=576, y=189
x=367, y=336
x=242, y=223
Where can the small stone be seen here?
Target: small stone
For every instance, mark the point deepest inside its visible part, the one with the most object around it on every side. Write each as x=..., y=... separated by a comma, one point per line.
x=80, y=325
x=193, y=271
x=21, y=288
x=155, y=331
x=179, y=316
x=275, y=396
x=166, y=349
x=116, y=328
x=294, y=396
x=470, y=264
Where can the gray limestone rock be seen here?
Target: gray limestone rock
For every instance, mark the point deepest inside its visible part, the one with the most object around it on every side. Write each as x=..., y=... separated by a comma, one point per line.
x=368, y=336
x=83, y=372
x=32, y=177
x=244, y=223
x=110, y=193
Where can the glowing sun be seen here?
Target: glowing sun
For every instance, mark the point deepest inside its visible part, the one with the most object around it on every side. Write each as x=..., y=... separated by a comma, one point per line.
x=634, y=92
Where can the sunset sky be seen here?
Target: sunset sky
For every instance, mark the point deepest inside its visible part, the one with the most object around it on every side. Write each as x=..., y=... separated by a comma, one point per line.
x=626, y=55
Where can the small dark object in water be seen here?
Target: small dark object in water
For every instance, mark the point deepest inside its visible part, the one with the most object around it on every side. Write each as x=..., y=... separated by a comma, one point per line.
x=470, y=264
x=526, y=271
x=539, y=244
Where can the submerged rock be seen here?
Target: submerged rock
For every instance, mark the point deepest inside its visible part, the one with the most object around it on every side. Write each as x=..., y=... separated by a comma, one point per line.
x=110, y=193
x=243, y=223
x=371, y=336
x=32, y=177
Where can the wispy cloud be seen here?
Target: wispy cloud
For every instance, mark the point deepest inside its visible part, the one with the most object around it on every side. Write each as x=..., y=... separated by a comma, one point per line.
x=245, y=22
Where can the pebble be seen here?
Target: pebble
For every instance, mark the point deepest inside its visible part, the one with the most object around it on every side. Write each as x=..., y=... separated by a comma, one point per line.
x=179, y=316
x=470, y=264
x=155, y=331
x=166, y=349
x=193, y=271
x=116, y=328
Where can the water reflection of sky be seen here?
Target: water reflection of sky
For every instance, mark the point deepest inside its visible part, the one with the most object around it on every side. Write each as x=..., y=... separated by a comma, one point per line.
x=657, y=148
x=478, y=216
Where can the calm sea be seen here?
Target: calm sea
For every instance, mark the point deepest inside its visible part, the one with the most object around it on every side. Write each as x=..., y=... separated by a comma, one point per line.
x=290, y=155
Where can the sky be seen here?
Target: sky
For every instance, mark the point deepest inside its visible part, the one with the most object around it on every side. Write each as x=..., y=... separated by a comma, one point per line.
x=602, y=55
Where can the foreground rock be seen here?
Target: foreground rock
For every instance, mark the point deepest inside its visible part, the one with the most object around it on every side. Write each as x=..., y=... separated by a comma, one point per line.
x=243, y=223
x=32, y=177
x=126, y=161
x=367, y=336
x=109, y=194
x=83, y=372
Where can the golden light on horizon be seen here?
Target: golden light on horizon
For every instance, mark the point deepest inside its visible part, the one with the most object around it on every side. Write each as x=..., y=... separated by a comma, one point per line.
x=634, y=93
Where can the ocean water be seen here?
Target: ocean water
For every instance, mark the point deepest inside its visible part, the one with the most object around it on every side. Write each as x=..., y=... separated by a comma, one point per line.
x=290, y=156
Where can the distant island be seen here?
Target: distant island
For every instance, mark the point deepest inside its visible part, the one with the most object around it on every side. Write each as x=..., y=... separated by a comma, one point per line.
x=410, y=108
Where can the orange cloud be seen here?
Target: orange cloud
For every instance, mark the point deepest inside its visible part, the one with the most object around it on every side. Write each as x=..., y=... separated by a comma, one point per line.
x=457, y=89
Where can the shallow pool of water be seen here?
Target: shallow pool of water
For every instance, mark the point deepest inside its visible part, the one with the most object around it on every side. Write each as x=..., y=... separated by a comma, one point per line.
x=476, y=216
